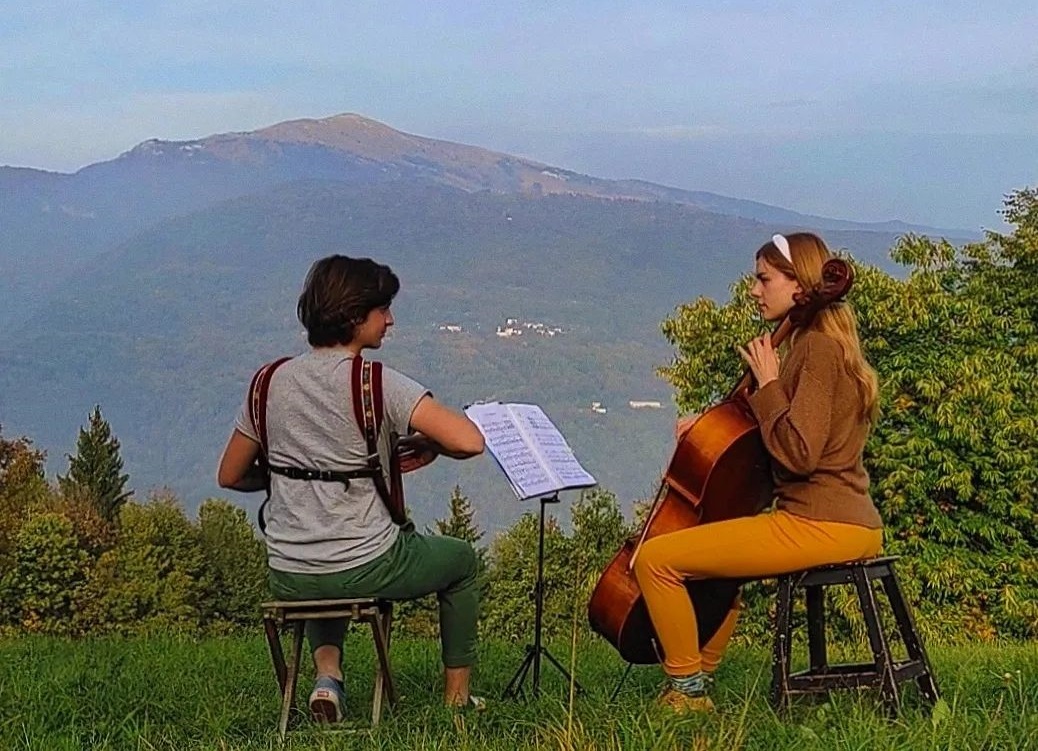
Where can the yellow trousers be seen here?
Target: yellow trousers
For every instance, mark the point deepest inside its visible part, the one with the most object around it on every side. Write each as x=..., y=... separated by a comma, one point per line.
x=768, y=544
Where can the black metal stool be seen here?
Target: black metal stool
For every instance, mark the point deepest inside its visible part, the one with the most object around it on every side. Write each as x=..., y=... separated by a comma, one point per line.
x=278, y=615
x=822, y=677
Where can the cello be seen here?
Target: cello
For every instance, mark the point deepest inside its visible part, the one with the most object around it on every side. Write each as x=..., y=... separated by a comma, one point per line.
x=720, y=470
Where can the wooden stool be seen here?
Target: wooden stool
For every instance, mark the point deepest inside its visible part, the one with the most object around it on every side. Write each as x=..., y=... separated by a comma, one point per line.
x=822, y=677
x=278, y=615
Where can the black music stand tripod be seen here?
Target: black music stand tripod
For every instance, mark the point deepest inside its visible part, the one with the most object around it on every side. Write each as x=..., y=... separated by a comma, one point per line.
x=535, y=651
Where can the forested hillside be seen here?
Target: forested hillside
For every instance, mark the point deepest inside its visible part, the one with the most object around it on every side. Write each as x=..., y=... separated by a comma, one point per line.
x=165, y=330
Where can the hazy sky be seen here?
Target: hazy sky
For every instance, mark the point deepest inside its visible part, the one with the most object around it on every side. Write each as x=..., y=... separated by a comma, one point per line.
x=924, y=111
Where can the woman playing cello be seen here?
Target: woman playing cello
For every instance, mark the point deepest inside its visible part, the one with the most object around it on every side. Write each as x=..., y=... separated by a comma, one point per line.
x=815, y=410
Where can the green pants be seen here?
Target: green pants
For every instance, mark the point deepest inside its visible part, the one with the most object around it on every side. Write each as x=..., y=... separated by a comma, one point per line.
x=416, y=565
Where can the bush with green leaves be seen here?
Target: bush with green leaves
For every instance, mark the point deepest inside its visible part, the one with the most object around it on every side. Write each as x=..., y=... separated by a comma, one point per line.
x=235, y=566
x=23, y=486
x=572, y=564
x=153, y=579
x=48, y=575
x=508, y=609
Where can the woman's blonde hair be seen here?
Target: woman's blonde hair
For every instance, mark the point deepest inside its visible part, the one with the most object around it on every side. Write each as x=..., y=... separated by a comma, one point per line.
x=808, y=253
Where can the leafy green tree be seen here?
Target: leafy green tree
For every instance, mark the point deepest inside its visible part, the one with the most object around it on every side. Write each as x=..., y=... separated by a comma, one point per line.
x=953, y=459
x=22, y=487
x=153, y=579
x=21, y=465
x=93, y=534
x=48, y=575
x=572, y=566
x=508, y=609
x=599, y=530
x=97, y=468
x=235, y=562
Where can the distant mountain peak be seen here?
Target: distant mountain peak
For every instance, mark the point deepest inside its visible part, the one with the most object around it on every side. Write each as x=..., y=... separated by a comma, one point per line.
x=371, y=139
x=325, y=130
x=353, y=148
x=359, y=138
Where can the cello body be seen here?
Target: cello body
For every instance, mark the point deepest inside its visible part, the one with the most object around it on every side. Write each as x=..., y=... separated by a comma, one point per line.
x=719, y=470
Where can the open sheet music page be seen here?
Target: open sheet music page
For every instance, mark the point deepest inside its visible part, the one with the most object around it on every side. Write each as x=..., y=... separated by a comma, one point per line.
x=529, y=448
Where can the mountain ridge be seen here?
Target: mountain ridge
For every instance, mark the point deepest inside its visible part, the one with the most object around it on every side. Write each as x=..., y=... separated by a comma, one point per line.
x=370, y=141
x=374, y=140
x=54, y=222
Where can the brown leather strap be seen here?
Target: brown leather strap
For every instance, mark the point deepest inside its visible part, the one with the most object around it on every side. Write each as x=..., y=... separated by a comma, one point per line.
x=369, y=410
x=356, y=365
x=376, y=390
x=366, y=384
x=258, y=390
x=254, y=401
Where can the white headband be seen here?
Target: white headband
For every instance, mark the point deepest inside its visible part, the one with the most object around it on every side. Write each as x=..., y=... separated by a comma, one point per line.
x=780, y=242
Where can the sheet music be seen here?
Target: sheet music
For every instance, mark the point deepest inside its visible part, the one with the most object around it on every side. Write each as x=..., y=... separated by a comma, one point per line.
x=529, y=448
x=515, y=456
x=553, y=446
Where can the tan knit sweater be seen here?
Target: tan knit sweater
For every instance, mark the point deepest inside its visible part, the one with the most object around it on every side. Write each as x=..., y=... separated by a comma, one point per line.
x=810, y=423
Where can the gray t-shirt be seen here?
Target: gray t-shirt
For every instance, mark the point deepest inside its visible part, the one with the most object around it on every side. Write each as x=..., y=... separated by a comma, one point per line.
x=316, y=527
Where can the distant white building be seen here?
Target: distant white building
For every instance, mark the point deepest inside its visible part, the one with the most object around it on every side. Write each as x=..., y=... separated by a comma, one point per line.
x=635, y=404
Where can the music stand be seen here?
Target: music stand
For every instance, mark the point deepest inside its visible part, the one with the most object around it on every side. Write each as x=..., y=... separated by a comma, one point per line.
x=521, y=437
x=534, y=652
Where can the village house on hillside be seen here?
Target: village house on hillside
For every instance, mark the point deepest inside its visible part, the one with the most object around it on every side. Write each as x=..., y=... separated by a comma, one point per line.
x=645, y=404
x=515, y=327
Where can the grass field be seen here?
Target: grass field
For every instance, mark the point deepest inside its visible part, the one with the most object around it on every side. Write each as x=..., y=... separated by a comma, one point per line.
x=220, y=693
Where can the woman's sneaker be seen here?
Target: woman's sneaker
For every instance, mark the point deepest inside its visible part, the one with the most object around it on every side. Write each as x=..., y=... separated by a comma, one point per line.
x=472, y=704
x=326, y=700
x=681, y=703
